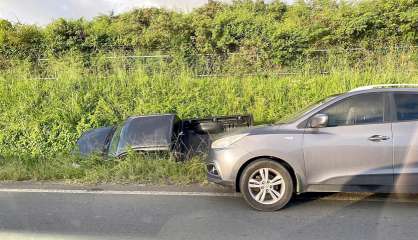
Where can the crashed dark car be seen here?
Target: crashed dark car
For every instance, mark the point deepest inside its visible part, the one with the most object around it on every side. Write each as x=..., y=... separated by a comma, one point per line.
x=160, y=133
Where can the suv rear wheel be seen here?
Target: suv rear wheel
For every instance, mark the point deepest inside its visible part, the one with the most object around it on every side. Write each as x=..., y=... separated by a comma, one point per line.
x=266, y=185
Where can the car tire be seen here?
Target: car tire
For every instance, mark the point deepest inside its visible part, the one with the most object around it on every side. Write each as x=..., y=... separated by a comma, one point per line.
x=269, y=193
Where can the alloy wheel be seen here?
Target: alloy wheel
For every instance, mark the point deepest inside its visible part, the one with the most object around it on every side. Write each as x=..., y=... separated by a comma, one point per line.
x=266, y=186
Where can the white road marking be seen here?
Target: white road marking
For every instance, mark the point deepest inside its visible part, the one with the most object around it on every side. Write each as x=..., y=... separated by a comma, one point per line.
x=114, y=192
x=359, y=199
x=350, y=198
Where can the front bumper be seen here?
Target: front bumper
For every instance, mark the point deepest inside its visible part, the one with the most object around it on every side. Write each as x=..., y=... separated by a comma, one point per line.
x=218, y=180
x=214, y=176
x=223, y=164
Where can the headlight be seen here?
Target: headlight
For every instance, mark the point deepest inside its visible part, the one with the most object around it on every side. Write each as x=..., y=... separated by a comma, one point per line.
x=226, y=141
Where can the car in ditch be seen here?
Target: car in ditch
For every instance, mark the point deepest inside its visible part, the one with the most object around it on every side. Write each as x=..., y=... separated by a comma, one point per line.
x=183, y=138
x=365, y=140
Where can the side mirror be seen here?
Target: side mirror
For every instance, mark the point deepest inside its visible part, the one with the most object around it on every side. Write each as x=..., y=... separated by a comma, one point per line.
x=319, y=121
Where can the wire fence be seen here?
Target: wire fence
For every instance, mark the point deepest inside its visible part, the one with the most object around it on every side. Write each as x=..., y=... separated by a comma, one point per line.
x=252, y=63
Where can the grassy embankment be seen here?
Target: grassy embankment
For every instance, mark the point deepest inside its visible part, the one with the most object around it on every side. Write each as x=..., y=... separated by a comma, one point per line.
x=41, y=119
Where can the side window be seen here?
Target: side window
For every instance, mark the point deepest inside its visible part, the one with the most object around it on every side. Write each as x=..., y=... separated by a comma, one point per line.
x=114, y=144
x=356, y=110
x=406, y=106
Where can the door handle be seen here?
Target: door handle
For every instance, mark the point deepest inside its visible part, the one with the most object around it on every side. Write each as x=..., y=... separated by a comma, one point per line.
x=378, y=138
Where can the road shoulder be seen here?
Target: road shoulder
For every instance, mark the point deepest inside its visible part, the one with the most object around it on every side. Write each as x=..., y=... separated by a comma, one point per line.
x=49, y=185
x=184, y=190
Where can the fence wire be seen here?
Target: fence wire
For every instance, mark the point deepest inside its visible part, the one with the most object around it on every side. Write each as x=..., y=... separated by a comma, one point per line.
x=310, y=61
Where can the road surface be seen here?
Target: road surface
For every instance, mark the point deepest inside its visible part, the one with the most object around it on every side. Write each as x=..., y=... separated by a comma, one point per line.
x=78, y=215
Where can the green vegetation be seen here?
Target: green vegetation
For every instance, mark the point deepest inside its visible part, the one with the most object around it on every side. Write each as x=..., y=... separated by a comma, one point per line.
x=40, y=119
x=92, y=82
x=141, y=168
x=277, y=32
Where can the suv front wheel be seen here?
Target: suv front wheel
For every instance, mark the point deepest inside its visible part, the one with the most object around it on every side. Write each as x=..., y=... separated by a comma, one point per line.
x=266, y=185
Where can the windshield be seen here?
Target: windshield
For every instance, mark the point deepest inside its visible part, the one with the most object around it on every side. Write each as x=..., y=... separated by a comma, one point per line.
x=301, y=112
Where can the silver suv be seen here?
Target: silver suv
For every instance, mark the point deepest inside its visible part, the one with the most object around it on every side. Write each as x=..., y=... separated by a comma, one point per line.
x=363, y=140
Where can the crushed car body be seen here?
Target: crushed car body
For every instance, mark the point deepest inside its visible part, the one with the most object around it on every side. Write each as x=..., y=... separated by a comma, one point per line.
x=163, y=132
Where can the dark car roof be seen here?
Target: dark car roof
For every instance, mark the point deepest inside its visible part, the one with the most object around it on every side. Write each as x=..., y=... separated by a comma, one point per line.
x=151, y=132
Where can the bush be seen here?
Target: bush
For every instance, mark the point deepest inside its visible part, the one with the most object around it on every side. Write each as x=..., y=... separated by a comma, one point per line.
x=275, y=30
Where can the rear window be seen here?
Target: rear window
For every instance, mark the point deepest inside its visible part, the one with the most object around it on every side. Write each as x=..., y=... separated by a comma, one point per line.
x=406, y=106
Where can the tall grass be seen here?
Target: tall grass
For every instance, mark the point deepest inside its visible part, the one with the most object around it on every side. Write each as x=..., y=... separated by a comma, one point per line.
x=41, y=118
x=143, y=168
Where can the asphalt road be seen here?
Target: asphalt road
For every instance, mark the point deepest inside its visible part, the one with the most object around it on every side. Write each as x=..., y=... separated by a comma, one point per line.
x=119, y=216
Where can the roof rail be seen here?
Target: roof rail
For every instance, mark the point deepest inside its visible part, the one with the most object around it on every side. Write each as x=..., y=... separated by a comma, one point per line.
x=384, y=86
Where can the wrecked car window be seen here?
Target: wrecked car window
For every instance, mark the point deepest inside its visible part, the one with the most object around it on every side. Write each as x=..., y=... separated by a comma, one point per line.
x=94, y=141
x=113, y=147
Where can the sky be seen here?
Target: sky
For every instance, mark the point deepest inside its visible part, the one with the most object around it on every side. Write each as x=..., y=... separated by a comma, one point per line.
x=42, y=12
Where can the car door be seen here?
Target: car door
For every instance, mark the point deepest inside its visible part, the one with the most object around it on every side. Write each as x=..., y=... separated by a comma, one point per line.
x=355, y=148
x=405, y=137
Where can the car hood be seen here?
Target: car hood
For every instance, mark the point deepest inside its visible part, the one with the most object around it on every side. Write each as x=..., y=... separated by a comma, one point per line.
x=268, y=129
x=242, y=130
x=263, y=129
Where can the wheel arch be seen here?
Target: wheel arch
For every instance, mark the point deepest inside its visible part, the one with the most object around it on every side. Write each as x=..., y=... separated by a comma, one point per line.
x=296, y=180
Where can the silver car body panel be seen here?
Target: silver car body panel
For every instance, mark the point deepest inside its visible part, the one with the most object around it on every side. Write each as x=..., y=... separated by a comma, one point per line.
x=405, y=137
x=280, y=143
x=344, y=155
x=330, y=158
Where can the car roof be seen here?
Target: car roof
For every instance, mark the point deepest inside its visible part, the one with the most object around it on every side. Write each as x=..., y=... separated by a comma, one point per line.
x=386, y=87
x=375, y=90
